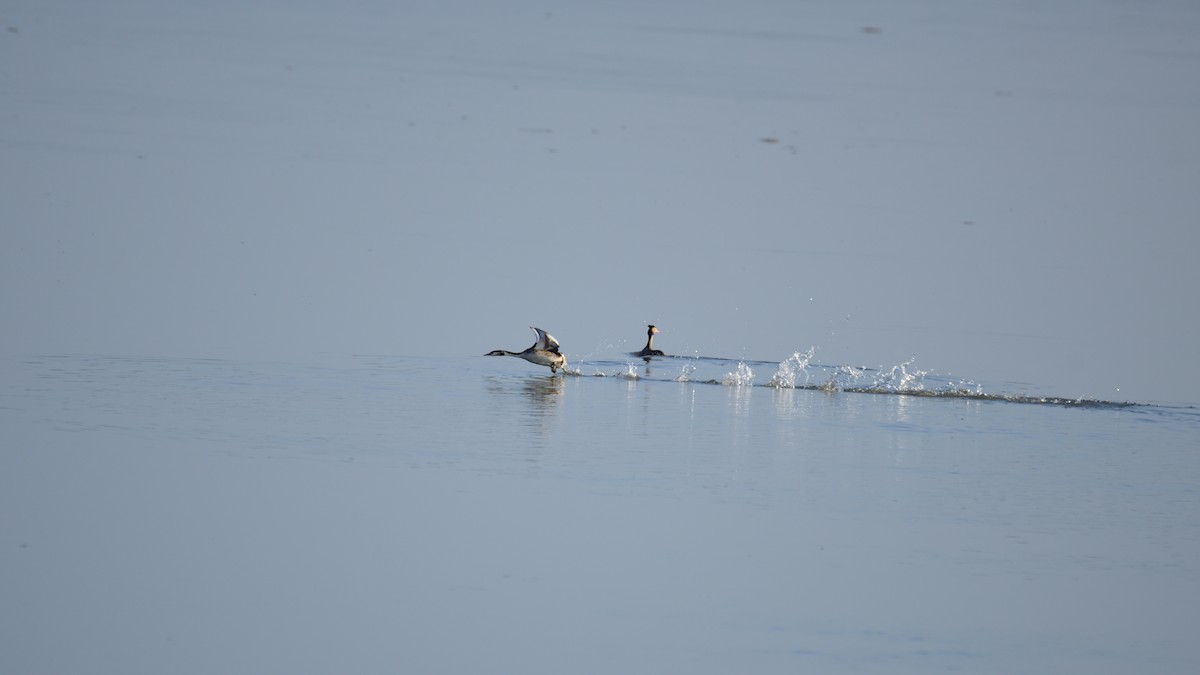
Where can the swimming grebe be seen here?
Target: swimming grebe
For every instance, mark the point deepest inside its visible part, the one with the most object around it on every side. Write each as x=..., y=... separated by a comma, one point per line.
x=544, y=352
x=649, y=349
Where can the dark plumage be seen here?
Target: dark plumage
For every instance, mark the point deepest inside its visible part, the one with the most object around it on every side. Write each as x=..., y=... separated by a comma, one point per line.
x=649, y=349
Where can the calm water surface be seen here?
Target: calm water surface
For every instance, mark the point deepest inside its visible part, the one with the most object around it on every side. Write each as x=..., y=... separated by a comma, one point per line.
x=382, y=513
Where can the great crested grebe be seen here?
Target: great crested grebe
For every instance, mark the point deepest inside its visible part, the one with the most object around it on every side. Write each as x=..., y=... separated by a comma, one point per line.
x=544, y=352
x=649, y=349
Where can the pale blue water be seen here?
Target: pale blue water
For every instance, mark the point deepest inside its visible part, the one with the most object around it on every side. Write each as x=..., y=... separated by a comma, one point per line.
x=1004, y=190
x=394, y=514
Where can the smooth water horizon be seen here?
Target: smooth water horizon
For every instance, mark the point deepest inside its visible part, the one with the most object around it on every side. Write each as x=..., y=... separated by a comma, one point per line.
x=387, y=513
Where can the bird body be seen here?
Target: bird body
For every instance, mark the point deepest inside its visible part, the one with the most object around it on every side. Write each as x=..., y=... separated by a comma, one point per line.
x=649, y=349
x=544, y=352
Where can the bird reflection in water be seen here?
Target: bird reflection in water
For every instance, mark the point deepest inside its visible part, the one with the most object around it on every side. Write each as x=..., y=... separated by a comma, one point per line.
x=542, y=395
x=545, y=393
x=528, y=407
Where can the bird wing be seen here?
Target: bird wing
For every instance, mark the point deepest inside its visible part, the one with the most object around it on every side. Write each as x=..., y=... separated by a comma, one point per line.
x=545, y=341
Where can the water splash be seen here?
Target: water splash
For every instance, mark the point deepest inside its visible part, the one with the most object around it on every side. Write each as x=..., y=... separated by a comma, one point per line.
x=790, y=369
x=965, y=388
x=799, y=371
x=843, y=378
x=685, y=373
x=742, y=377
x=900, y=380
